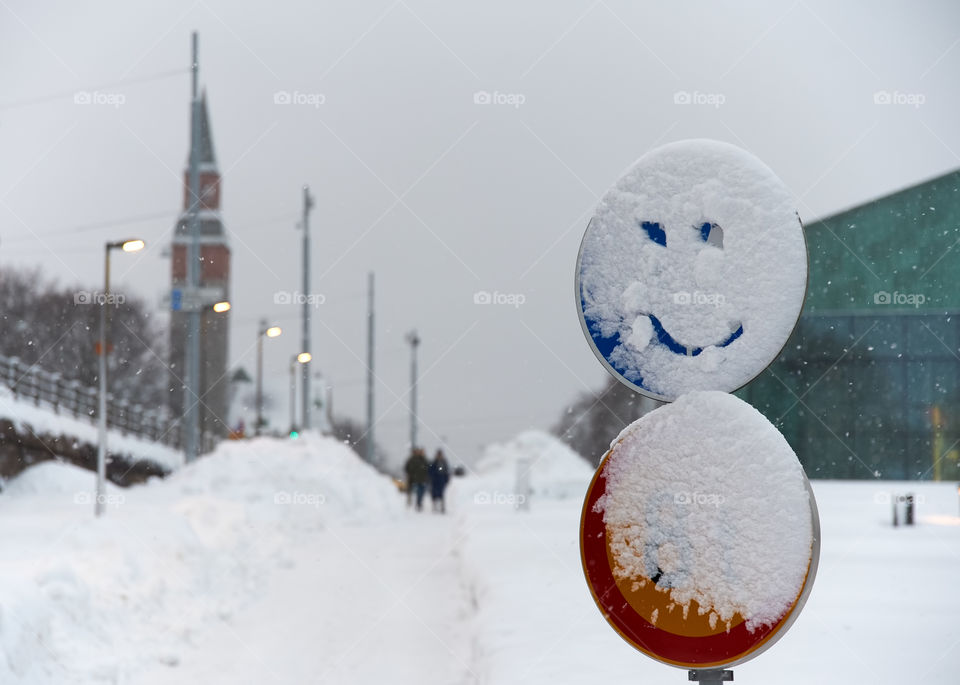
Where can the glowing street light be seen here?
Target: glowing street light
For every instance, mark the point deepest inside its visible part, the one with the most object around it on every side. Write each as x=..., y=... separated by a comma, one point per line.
x=127, y=246
x=301, y=358
x=221, y=307
x=263, y=331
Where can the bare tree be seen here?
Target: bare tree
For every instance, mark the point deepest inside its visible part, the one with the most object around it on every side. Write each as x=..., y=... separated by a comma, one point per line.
x=57, y=328
x=594, y=420
x=355, y=434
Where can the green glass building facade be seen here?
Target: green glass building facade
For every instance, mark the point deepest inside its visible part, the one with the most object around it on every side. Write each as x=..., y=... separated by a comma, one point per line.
x=868, y=385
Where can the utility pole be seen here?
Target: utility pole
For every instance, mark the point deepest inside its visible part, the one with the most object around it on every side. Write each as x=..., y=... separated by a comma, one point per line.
x=293, y=394
x=307, y=301
x=101, y=492
x=414, y=341
x=192, y=391
x=370, y=451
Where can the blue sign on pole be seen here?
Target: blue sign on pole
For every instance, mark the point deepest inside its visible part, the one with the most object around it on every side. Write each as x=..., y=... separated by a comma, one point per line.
x=176, y=300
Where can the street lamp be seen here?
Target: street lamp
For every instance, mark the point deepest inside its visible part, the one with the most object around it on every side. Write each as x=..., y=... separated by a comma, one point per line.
x=218, y=308
x=301, y=358
x=263, y=331
x=414, y=341
x=127, y=246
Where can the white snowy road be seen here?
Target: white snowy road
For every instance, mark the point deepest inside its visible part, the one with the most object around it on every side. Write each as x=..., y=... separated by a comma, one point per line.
x=357, y=604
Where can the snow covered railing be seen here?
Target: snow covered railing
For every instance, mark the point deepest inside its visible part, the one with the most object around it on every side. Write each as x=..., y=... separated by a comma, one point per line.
x=71, y=396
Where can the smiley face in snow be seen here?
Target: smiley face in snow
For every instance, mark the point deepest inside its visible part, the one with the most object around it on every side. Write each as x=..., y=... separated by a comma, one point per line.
x=686, y=322
x=692, y=273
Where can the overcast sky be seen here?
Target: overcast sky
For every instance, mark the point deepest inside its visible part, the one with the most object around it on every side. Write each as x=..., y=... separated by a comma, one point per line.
x=441, y=196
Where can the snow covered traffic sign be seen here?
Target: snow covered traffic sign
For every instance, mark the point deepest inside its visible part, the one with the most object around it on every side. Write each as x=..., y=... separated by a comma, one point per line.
x=699, y=535
x=692, y=273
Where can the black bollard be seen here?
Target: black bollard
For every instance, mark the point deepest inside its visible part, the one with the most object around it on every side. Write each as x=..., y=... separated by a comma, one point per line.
x=908, y=514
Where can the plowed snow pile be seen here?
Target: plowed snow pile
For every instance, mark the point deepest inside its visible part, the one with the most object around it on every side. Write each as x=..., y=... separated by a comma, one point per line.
x=553, y=469
x=88, y=600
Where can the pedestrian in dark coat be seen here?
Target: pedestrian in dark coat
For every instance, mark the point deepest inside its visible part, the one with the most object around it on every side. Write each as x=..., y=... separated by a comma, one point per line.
x=417, y=469
x=439, y=477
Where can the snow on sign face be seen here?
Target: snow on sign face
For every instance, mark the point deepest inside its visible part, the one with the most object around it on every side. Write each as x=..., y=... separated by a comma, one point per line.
x=692, y=272
x=699, y=534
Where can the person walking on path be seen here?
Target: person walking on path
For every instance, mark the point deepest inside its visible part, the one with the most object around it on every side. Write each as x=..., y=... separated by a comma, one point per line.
x=417, y=469
x=439, y=477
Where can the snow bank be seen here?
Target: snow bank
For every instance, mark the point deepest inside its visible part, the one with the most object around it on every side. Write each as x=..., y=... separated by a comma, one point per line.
x=693, y=271
x=312, y=471
x=706, y=498
x=553, y=469
x=51, y=478
x=84, y=599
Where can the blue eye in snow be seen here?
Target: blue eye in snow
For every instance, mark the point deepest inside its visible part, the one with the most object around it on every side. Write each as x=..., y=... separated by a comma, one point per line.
x=712, y=234
x=655, y=232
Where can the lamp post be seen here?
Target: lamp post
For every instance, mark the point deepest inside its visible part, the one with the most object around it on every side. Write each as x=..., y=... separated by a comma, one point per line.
x=305, y=345
x=414, y=341
x=263, y=331
x=221, y=307
x=301, y=358
x=127, y=246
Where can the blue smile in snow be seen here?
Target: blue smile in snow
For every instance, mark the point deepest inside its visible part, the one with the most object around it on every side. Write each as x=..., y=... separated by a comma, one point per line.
x=664, y=337
x=606, y=345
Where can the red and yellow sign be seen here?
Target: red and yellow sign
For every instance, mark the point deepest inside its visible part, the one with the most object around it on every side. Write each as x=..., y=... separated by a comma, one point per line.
x=645, y=615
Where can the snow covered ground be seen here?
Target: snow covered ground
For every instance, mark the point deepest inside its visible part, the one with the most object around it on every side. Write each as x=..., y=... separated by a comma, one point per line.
x=884, y=608
x=293, y=561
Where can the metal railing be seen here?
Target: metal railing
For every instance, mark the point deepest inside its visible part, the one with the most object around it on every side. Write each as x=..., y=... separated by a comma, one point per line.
x=71, y=397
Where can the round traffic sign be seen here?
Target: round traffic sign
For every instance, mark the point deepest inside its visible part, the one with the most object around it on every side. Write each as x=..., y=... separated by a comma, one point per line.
x=699, y=534
x=692, y=273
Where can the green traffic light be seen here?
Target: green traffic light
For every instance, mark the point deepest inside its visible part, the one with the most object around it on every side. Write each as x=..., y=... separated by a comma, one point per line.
x=294, y=435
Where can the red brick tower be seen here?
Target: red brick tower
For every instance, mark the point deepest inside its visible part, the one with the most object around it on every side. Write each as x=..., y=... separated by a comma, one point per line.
x=214, y=287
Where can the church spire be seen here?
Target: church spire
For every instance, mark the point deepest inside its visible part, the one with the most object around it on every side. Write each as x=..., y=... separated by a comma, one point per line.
x=211, y=225
x=207, y=156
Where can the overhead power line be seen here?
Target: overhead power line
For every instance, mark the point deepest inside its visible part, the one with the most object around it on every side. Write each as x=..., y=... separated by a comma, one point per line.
x=83, y=228
x=39, y=100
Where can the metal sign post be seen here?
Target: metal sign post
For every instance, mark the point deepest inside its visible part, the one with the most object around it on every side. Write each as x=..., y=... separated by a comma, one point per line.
x=710, y=677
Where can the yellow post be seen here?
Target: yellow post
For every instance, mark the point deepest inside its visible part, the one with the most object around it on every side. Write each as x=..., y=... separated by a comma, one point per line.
x=937, y=419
